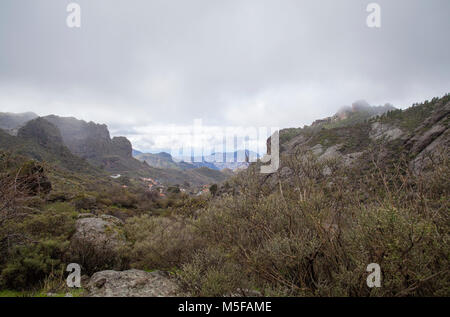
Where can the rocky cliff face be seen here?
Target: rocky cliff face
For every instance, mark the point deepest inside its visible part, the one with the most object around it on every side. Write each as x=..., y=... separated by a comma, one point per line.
x=42, y=132
x=86, y=146
x=122, y=146
x=41, y=140
x=430, y=137
x=418, y=133
x=90, y=140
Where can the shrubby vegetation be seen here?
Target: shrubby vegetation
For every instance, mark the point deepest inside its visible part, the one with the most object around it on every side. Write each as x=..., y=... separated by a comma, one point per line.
x=33, y=238
x=309, y=232
x=36, y=224
x=313, y=236
x=318, y=236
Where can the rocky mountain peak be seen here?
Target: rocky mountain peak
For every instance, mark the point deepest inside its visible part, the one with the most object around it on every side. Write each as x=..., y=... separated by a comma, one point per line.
x=42, y=132
x=122, y=146
x=90, y=140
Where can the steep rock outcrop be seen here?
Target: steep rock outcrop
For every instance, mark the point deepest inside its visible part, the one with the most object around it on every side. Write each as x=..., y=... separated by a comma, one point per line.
x=85, y=139
x=42, y=132
x=41, y=140
x=92, y=142
x=122, y=146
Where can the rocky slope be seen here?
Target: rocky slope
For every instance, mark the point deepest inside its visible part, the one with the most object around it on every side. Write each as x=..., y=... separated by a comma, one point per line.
x=417, y=133
x=92, y=141
x=81, y=146
x=42, y=141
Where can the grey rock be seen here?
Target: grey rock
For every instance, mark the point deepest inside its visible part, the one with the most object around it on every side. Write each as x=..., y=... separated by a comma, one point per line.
x=85, y=215
x=285, y=172
x=243, y=292
x=102, y=232
x=380, y=131
x=439, y=146
x=317, y=149
x=331, y=152
x=422, y=141
x=350, y=158
x=131, y=283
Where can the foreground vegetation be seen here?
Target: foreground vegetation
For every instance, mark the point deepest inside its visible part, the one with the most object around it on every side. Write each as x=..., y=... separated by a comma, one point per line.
x=310, y=234
x=314, y=238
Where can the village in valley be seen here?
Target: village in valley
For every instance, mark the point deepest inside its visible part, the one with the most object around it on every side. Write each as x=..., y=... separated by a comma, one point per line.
x=155, y=186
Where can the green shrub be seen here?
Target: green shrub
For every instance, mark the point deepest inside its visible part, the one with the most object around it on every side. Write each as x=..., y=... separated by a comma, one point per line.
x=28, y=265
x=316, y=234
x=210, y=273
x=94, y=256
x=160, y=242
x=85, y=202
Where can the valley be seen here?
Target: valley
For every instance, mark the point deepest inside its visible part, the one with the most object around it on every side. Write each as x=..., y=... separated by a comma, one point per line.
x=367, y=185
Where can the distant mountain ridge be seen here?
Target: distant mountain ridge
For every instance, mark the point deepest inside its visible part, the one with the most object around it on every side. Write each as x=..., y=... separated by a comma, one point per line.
x=90, y=140
x=41, y=140
x=217, y=161
x=163, y=160
x=135, y=152
x=11, y=122
x=87, y=147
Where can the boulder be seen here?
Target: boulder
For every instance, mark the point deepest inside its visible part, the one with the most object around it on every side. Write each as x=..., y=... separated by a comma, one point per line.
x=131, y=283
x=99, y=243
x=103, y=231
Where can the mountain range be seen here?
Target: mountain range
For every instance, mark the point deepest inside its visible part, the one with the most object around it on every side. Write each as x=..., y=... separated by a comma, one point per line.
x=87, y=147
x=218, y=161
x=367, y=185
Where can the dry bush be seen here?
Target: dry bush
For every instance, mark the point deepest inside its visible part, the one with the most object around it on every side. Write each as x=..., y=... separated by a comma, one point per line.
x=160, y=242
x=16, y=201
x=94, y=256
x=317, y=234
x=33, y=242
x=209, y=273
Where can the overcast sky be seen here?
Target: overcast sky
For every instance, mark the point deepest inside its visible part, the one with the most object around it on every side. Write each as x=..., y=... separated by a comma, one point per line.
x=142, y=66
